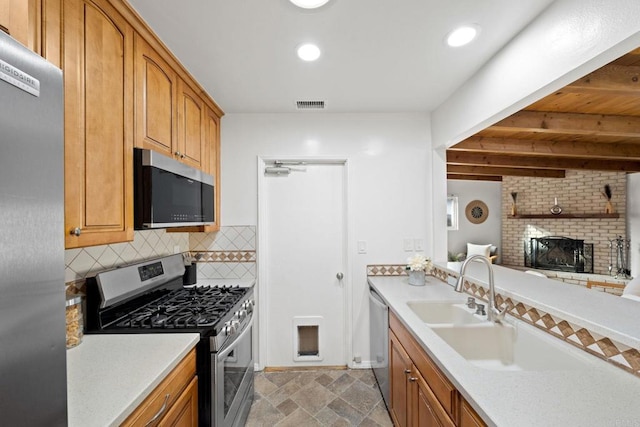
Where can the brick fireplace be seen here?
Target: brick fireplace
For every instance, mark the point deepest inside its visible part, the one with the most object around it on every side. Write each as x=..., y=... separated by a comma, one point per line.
x=578, y=193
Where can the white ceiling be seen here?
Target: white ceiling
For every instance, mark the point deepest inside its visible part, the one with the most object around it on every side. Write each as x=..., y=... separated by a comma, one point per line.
x=377, y=55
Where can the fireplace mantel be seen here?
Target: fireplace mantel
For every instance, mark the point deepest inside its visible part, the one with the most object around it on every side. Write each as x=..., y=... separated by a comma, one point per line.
x=565, y=216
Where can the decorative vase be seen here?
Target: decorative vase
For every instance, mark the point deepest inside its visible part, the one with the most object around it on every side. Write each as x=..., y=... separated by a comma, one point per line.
x=416, y=278
x=608, y=209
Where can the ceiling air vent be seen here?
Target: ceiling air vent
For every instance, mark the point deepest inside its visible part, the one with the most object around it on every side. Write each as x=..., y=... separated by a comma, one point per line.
x=310, y=105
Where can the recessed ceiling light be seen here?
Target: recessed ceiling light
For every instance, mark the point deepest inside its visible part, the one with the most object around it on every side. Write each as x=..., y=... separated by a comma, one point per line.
x=462, y=35
x=308, y=52
x=309, y=4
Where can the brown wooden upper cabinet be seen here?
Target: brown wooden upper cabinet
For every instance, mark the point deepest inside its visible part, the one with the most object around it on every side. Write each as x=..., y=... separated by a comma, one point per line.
x=156, y=91
x=123, y=88
x=191, y=130
x=98, y=81
x=169, y=114
x=15, y=19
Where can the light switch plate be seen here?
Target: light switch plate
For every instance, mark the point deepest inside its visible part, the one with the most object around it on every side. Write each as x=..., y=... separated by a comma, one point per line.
x=362, y=247
x=408, y=245
x=418, y=244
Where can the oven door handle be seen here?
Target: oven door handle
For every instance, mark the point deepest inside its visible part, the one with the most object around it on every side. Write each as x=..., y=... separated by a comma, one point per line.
x=224, y=353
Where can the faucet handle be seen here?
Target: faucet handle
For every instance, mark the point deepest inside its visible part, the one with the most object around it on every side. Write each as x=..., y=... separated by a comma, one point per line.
x=471, y=302
x=480, y=310
x=502, y=312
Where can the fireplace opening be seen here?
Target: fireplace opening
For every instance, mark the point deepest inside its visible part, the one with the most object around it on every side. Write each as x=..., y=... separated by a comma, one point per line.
x=560, y=254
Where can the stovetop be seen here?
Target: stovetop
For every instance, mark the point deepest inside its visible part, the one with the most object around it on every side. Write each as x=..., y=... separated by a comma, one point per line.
x=196, y=307
x=149, y=297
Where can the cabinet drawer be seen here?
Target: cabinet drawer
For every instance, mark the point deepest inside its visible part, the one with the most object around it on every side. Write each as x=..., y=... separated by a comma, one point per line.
x=444, y=391
x=166, y=394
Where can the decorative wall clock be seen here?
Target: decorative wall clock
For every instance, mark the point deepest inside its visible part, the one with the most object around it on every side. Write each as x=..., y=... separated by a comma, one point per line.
x=477, y=212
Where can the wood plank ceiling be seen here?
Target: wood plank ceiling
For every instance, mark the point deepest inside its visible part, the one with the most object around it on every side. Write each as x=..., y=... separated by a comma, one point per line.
x=593, y=123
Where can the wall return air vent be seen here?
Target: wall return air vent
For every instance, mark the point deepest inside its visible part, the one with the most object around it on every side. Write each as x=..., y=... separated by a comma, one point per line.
x=310, y=105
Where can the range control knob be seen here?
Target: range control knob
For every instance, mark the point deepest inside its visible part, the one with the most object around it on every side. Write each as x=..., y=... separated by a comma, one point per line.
x=248, y=306
x=241, y=314
x=230, y=327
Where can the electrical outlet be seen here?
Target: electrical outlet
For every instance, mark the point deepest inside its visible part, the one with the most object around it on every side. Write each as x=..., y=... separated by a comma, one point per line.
x=362, y=247
x=418, y=244
x=176, y=249
x=408, y=245
x=357, y=359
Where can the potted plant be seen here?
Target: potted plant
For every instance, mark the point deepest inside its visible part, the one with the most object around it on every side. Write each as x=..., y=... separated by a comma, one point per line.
x=417, y=266
x=454, y=261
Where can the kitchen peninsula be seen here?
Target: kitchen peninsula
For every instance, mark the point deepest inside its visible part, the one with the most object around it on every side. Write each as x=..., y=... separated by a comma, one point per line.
x=591, y=393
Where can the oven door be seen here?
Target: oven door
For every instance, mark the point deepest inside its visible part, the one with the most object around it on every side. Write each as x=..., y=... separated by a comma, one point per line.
x=233, y=381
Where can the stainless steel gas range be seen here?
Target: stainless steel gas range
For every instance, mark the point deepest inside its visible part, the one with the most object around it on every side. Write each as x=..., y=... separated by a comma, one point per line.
x=149, y=297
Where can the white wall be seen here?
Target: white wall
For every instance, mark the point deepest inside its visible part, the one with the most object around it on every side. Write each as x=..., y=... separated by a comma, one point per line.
x=487, y=232
x=390, y=188
x=570, y=39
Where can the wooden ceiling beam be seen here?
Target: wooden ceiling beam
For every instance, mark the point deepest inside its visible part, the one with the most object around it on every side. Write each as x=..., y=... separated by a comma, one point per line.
x=474, y=177
x=570, y=123
x=503, y=171
x=549, y=148
x=506, y=160
x=610, y=80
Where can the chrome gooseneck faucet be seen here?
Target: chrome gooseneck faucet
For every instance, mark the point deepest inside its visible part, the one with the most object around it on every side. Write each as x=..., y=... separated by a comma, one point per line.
x=494, y=315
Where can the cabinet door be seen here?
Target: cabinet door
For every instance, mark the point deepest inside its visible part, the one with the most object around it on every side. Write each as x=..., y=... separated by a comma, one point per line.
x=184, y=412
x=98, y=79
x=427, y=411
x=155, y=92
x=399, y=369
x=212, y=144
x=14, y=19
x=191, y=131
x=469, y=417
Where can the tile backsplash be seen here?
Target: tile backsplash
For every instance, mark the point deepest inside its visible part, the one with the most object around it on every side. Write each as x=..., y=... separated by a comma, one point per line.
x=86, y=262
x=228, y=254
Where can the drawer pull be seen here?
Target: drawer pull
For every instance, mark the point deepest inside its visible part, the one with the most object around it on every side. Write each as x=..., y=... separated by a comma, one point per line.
x=407, y=371
x=162, y=409
x=413, y=379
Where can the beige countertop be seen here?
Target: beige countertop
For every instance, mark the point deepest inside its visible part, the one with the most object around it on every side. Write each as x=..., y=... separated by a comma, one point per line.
x=109, y=375
x=601, y=395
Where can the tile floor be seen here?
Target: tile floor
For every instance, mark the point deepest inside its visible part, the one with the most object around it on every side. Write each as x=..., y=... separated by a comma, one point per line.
x=318, y=398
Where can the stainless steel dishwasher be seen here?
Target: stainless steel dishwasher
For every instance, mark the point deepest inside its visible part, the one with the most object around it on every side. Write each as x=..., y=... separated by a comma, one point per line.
x=379, y=342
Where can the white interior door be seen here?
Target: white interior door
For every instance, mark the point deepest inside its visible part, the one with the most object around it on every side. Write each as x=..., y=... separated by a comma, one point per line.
x=304, y=252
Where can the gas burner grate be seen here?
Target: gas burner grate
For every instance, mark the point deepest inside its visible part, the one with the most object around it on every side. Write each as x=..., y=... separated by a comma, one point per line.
x=197, y=307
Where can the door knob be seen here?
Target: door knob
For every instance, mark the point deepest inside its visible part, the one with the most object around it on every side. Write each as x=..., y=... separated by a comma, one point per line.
x=340, y=276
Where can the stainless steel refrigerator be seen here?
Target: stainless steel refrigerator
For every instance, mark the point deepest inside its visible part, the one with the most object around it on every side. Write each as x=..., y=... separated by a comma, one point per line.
x=33, y=389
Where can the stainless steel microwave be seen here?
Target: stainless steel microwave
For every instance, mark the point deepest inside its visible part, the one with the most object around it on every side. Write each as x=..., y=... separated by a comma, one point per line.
x=168, y=193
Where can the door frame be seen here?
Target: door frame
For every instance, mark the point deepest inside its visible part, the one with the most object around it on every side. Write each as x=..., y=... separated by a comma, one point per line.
x=263, y=288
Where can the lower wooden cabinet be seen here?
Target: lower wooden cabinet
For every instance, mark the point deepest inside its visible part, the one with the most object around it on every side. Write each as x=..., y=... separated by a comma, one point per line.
x=469, y=417
x=400, y=367
x=413, y=403
x=174, y=402
x=421, y=395
x=184, y=413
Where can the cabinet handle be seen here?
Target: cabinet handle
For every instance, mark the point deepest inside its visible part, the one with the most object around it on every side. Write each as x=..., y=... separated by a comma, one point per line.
x=157, y=415
x=76, y=231
x=413, y=379
x=407, y=371
x=178, y=154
